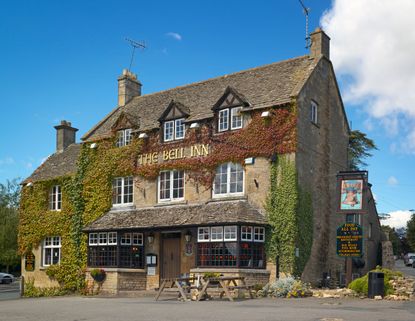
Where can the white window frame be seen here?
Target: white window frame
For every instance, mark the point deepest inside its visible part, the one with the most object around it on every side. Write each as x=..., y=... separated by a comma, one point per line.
x=205, y=231
x=216, y=234
x=104, y=237
x=228, y=182
x=171, y=189
x=55, y=198
x=52, y=243
x=236, y=110
x=123, y=194
x=93, y=239
x=242, y=233
x=112, y=238
x=170, y=127
x=314, y=112
x=234, y=231
x=223, y=120
x=124, y=137
x=139, y=237
x=124, y=238
x=260, y=232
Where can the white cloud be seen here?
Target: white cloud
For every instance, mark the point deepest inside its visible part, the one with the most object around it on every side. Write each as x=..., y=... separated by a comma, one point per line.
x=174, y=35
x=373, y=46
x=393, y=181
x=397, y=219
x=7, y=161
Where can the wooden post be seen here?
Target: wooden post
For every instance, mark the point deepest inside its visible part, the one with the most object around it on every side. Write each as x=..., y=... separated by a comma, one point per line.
x=349, y=267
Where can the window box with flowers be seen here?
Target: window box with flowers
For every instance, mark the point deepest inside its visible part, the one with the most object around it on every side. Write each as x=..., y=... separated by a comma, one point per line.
x=98, y=274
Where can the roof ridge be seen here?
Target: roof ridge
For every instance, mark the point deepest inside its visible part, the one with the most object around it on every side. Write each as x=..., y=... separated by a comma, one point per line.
x=218, y=77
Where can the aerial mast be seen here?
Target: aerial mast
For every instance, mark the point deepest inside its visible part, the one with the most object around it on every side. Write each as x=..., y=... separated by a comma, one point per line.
x=306, y=12
x=135, y=44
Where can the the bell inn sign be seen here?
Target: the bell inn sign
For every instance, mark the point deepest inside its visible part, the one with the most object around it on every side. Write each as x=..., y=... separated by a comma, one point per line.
x=197, y=150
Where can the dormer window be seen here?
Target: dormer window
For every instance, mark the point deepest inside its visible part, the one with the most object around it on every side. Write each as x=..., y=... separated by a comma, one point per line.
x=230, y=118
x=174, y=129
x=124, y=137
x=55, y=198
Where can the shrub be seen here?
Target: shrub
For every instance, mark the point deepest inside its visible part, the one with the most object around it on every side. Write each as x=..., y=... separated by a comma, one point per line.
x=361, y=285
x=286, y=287
x=30, y=290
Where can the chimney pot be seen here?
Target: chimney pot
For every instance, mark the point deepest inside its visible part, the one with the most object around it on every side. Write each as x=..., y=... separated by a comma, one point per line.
x=65, y=135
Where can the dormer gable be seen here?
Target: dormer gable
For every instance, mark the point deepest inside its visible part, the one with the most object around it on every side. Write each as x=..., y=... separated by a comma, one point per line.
x=230, y=98
x=125, y=121
x=174, y=110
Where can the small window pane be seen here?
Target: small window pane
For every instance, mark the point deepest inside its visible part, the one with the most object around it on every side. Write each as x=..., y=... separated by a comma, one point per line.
x=230, y=233
x=137, y=238
x=246, y=233
x=259, y=234
x=127, y=136
x=126, y=239
x=103, y=238
x=223, y=120
x=112, y=238
x=236, y=118
x=180, y=128
x=203, y=234
x=164, y=185
x=168, y=130
x=93, y=238
x=216, y=233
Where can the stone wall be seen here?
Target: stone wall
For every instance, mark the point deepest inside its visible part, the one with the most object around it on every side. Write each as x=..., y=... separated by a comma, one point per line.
x=321, y=153
x=388, y=261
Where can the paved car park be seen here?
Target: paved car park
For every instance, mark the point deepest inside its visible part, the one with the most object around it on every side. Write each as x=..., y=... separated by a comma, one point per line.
x=103, y=309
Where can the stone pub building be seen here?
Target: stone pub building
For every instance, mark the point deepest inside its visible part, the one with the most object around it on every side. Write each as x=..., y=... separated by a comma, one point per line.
x=194, y=179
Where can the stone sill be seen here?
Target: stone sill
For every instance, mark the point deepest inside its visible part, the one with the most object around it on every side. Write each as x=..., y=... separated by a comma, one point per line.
x=228, y=198
x=228, y=270
x=117, y=269
x=172, y=203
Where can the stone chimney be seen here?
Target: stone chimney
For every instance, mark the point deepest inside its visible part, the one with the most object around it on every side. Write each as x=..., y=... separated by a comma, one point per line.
x=128, y=87
x=65, y=135
x=320, y=44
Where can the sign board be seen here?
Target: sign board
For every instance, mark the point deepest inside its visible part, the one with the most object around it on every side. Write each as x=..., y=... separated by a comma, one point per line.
x=151, y=270
x=352, y=192
x=29, y=262
x=349, y=240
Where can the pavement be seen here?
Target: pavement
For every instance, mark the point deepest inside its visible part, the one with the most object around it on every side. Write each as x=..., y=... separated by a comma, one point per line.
x=77, y=308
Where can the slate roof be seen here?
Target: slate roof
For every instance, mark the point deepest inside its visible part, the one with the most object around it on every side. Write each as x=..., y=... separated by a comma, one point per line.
x=229, y=212
x=57, y=165
x=268, y=85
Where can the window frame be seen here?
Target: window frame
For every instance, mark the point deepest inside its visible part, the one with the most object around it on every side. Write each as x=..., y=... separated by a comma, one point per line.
x=261, y=232
x=171, y=189
x=51, y=246
x=314, y=112
x=226, y=110
x=206, y=231
x=234, y=110
x=244, y=239
x=235, y=227
x=122, y=194
x=173, y=126
x=228, y=182
x=218, y=231
x=124, y=137
x=228, y=119
x=55, y=198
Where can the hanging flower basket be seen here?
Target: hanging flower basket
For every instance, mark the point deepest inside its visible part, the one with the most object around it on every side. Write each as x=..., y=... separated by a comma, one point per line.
x=98, y=274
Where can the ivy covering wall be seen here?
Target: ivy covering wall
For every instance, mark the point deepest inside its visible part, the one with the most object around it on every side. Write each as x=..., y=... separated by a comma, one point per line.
x=86, y=195
x=290, y=215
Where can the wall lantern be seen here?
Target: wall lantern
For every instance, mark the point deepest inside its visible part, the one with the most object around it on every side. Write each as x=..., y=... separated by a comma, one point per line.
x=143, y=136
x=194, y=125
x=265, y=114
x=93, y=146
x=29, y=184
x=150, y=238
x=188, y=236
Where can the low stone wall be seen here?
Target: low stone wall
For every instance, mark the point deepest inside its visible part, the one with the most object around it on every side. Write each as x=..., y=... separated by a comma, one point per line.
x=132, y=281
x=118, y=280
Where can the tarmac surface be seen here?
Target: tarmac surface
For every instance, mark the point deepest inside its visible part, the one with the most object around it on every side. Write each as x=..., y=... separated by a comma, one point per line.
x=106, y=309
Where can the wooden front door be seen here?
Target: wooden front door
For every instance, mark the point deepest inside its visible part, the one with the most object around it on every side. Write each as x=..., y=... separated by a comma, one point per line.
x=171, y=257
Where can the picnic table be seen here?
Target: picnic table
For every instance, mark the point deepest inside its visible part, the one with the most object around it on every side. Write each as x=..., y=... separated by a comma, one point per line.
x=184, y=284
x=227, y=283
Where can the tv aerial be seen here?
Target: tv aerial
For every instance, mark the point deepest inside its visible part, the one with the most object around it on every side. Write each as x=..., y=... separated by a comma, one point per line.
x=135, y=44
x=306, y=11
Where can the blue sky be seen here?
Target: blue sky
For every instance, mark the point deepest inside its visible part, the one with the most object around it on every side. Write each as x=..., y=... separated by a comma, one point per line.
x=60, y=60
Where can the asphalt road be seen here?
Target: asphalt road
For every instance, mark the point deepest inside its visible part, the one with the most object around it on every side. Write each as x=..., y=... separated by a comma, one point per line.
x=10, y=291
x=143, y=309
x=406, y=270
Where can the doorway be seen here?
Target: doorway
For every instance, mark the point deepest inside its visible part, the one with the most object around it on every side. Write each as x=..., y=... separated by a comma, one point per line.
x=170, y=255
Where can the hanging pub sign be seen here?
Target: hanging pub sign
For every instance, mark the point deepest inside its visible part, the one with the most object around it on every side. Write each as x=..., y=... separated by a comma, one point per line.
x=352, y=192
x=349, y=240
x=29, y=262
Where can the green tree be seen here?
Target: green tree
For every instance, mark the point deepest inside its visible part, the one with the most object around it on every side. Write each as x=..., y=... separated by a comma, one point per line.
x=410, y=232
x=9, y=221
x=360, y=147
